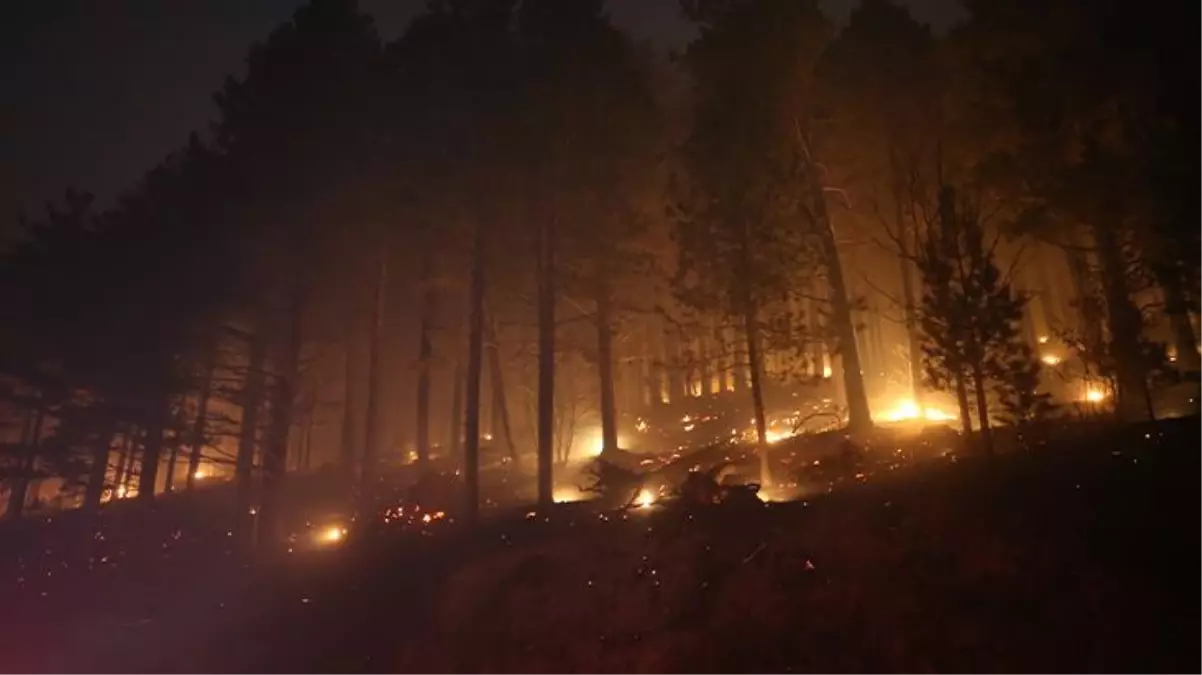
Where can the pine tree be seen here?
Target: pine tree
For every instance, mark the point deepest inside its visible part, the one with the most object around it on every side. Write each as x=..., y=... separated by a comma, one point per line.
x=971, y=317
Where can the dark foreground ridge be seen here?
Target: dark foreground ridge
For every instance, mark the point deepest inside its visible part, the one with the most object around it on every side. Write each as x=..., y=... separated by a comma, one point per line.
x=1082, y=557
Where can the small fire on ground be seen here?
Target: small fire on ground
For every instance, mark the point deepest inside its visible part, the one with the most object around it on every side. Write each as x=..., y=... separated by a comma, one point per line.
x=906, y=410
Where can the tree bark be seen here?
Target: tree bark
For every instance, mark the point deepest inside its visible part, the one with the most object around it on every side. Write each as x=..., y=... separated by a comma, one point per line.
x=94, y=492
x=307, y=452
x=275, y=455
x=605, y=370
x=475, y=359
x=122, y=459
x=962, y=400
x=348, y=454
x=757, y=394
x=546, y=363
x=152, y=451
x=172, y=462
x=978, y=377
x=252, y=398
x=905, y=235
x=424, y=353
x=500, y=401
x=859, y=416
x=1125, y=324
x=202, y=414
x=367, y=473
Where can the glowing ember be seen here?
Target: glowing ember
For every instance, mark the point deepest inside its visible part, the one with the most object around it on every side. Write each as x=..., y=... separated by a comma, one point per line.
x=1050, y=359
x=564, y=495
x=332, y=534
x=641, y=426
x=646, y=498
x=826, y=371
x=907, y=409
x=200, y=474
x=1043, y=339
x=1094, y=395
x=774, y=436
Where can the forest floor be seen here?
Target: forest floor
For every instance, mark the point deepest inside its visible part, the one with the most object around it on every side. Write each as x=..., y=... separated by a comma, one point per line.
x=1081, y=555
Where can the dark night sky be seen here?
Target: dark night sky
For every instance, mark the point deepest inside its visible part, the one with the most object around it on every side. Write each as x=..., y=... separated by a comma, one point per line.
x=94, y=92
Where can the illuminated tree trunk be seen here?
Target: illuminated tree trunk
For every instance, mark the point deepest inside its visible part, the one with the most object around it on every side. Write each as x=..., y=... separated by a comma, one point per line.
x=99, y=470
x=456, y=409
x=252, y=399
x=367, y=475
x=1125, y=323
x=905, y=236
x=307, y=448
x=275, y=455
x=605, y=370
x=152, y=450
x=31, y=439
x=348, y=454
x=754, y=358
x=979, y=385
x=475, y=360
x=423, y=398
x=757, y=393
x=500, y=401
x=1184, y=338
x=546, y=363
x=962, y=401
x=424, y=353
x=123, y=458
x=172, y=463
x=202, y=414
x=859, y=417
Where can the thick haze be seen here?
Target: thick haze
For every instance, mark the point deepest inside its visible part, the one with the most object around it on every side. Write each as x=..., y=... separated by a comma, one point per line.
x=95, y=93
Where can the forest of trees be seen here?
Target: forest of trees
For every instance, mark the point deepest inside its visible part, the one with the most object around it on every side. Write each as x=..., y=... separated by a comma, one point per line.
x=513, y=218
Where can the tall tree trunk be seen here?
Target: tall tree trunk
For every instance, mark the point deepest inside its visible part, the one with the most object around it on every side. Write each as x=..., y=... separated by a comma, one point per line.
x=348, y=453
x=307, y=451
x=500, y=401
x=275, y=455
x=367, y=474
x=978, y=378
x=424, y=353
x=1184, y=338
x=905, y=233
x=122, y=457
x=456, y=410
x=31, y=439
x=605, y=369
x=172, y=462
x=757, y=393
x=135, y=443
x=94, y=492
x=905, y=240
x=859, y=416
x=152, y=451
x=962, y=401
x=1125, y=325
x=202, y=415
x=252, y=399
x=546, y=362
x=475, y=361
